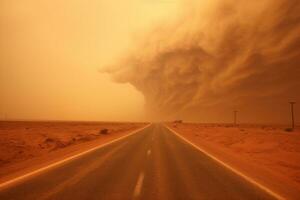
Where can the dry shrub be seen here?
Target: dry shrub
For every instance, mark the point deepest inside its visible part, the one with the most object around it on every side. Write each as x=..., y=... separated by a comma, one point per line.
x=289, y=130
x=104, y=131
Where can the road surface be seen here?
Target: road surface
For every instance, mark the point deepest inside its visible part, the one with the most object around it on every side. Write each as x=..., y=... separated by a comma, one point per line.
x=152, y=164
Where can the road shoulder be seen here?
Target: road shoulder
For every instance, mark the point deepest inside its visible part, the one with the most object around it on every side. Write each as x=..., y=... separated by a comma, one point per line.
x=275, y=183
x=32, y=166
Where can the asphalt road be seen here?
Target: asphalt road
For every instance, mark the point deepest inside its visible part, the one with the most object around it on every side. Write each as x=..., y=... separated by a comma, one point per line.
x=152, y=164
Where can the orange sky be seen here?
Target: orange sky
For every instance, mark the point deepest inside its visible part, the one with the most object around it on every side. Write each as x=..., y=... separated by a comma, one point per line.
x=51, y=52
x=195, y=60
x=218, y=57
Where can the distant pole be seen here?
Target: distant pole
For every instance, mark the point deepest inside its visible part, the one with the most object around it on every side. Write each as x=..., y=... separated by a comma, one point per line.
x=292, y=112
x=234, y=117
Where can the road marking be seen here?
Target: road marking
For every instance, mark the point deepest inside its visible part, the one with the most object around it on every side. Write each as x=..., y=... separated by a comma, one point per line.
x=80, y=174
x=149, y=152
x=247, y=178
x=15, y=180
x=138, y=186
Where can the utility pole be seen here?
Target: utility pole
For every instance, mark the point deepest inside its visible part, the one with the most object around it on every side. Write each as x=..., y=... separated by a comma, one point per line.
x=292, y=112
x=234, y=117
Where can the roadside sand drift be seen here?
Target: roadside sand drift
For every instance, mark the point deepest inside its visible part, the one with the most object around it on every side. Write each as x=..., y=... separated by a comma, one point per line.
x=25, y=141
x=268, y=153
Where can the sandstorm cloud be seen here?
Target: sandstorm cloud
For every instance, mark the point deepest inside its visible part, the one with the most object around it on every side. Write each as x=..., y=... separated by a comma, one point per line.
x=218, y=57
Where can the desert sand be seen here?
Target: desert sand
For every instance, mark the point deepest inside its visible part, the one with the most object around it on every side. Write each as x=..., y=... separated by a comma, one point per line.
x=25, y=146
x=267, y=153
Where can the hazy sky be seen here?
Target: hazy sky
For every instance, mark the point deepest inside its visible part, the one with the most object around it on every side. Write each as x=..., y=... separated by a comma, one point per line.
x=163, y=59
x=51, y=52
x=218, y=57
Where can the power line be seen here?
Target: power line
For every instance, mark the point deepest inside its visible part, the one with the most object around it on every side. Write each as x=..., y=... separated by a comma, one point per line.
x=235, y=117
x=292, y=112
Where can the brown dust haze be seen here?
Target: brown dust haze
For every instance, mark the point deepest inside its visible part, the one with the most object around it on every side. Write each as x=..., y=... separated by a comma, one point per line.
x=194, y=60
x=218, y=57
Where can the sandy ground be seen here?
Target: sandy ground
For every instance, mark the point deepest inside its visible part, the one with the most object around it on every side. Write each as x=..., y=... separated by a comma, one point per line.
x=267, y=153
x=25, y=146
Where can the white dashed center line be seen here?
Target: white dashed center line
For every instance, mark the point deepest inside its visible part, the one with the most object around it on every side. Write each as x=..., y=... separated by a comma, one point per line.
x=138, y=186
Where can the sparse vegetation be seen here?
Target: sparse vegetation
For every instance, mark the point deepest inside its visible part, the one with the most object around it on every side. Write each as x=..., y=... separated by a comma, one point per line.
x=178, y=121
x=21, y=141
x=104, y=131
x=289, y=129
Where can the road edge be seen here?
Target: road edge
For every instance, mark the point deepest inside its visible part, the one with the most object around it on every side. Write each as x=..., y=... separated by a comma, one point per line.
x=8, y=183
x=234, y=170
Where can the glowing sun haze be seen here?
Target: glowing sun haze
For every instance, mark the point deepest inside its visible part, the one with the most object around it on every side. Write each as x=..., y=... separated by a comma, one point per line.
x=188, y=59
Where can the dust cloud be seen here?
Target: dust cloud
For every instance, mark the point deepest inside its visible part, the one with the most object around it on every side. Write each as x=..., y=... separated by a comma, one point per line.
x=217, y=57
